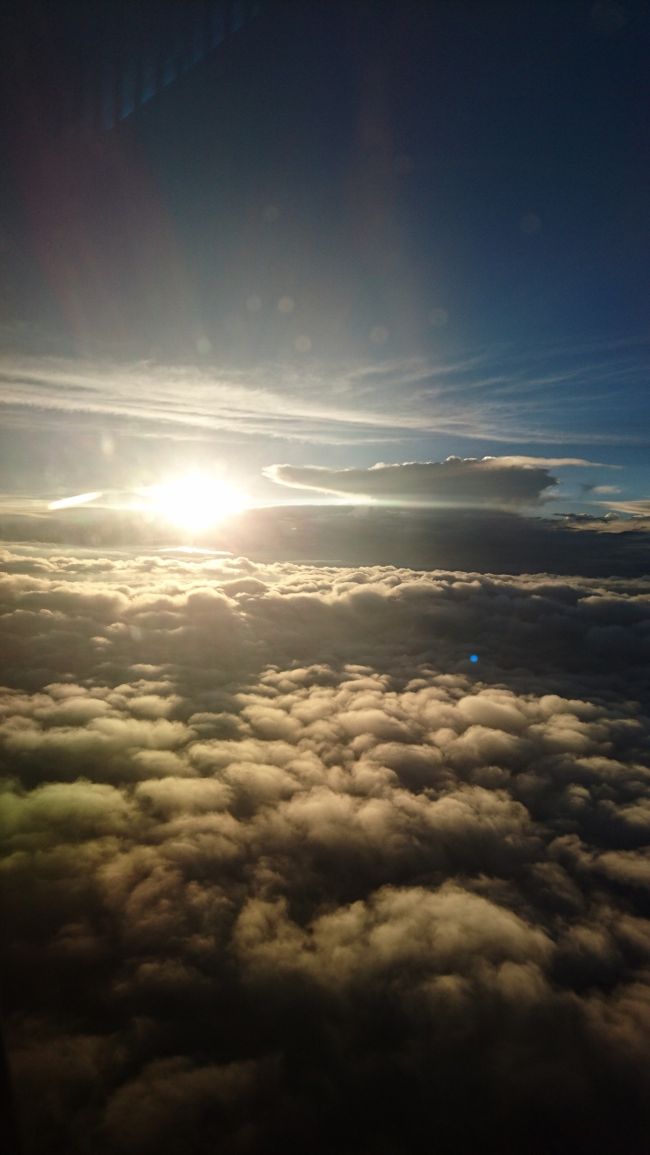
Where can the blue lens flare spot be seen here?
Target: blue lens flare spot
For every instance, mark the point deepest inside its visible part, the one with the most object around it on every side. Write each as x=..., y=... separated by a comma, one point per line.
x=473, y=657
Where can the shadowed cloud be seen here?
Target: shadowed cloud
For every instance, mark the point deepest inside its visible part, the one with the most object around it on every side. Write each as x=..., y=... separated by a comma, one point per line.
x=284, y=868
x=488, y=481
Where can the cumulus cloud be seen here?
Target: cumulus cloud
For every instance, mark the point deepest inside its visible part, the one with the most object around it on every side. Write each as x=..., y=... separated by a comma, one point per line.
x=488, y=481
x=284, y=869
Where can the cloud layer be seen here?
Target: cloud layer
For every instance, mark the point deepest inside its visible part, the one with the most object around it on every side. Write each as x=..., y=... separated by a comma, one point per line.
x=497, y=541
x=285, y=869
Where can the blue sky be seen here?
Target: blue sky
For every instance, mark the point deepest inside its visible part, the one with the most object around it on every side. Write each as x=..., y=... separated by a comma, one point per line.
x=349, y=235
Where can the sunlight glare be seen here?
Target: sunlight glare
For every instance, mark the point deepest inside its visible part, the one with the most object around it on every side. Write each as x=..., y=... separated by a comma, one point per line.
x=195, y=502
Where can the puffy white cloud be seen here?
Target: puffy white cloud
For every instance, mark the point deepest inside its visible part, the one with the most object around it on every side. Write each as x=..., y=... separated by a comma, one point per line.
x=285, y=869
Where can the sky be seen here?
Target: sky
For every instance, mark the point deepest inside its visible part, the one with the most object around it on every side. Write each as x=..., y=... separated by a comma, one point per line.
x=340, y=235
x=324, y=578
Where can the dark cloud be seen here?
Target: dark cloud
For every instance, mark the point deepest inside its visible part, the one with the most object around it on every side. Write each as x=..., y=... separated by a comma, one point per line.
x=284, y=869
x=497, y=541
x=485, y=540
x=497, y=482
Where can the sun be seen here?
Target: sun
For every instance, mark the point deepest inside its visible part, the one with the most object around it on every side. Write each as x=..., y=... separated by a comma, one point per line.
x=195, y=502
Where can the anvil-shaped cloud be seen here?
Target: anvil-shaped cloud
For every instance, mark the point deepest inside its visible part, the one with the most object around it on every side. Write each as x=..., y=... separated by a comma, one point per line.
x=498, y=482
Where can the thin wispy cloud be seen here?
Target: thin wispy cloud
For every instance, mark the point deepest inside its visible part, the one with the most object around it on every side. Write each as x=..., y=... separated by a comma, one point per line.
x=639, y=507
x=331, y=403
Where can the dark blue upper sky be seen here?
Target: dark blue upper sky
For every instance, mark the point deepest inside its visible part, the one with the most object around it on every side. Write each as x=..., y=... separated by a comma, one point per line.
x=426, y=224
